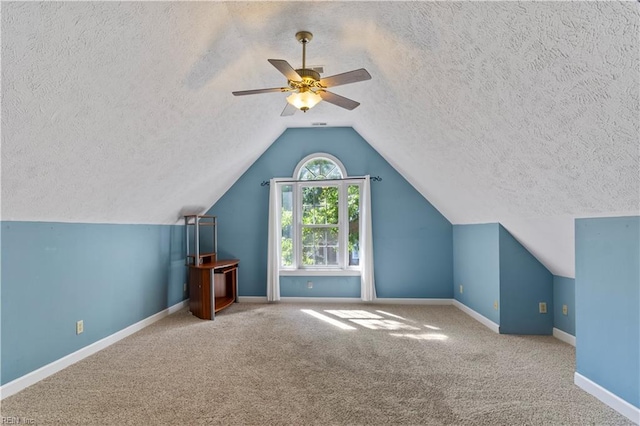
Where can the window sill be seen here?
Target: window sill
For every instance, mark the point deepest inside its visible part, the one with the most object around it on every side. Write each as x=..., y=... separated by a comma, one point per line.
x=320, y=272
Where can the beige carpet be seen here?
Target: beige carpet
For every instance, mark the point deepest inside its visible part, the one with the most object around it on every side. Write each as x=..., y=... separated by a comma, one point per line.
x=278, y=364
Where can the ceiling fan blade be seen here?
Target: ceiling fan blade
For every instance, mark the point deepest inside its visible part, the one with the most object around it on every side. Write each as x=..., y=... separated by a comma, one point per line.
x=341, y=101
x=257, y=91
x=286, y=69
x=288, y=110
x=346, y=78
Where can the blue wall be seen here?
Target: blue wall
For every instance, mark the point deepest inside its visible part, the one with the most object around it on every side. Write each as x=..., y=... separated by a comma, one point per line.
x=296, y=286
x=564, y=294
x=476, y=266
x=524, y=282
x=492, y=266
x=54, y=274
x=412, y=240
x=608, y=304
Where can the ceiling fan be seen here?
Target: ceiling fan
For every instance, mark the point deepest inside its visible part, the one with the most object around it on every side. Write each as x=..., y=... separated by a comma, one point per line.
x=307, y=86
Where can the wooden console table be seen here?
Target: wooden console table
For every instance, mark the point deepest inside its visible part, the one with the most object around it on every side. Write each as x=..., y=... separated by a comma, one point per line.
x=212, y=287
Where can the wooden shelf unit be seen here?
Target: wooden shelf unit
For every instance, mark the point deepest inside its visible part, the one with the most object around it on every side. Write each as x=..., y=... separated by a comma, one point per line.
x=195, y=256
x=213, y=283
x=212, y=287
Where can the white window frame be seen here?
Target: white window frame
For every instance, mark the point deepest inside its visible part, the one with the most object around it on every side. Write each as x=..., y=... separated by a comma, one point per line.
x=343, y=267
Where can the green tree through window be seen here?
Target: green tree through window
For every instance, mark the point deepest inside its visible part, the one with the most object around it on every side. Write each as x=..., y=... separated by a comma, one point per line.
x=322, y=217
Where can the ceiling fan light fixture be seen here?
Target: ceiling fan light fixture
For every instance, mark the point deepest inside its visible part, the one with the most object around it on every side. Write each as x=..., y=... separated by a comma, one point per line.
x=306, y=85
x=305, y=100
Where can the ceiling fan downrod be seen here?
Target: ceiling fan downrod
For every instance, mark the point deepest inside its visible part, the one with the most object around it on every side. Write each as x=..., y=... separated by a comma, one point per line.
x=304, y=37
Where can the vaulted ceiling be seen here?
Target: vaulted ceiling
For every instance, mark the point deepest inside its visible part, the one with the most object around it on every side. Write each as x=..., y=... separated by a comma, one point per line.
x=524, y=113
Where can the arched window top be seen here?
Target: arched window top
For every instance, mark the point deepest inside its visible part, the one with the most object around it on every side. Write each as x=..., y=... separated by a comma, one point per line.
x=319, y=166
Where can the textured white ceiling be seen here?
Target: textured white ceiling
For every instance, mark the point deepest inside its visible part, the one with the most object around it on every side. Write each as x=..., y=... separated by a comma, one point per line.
x=523, y=113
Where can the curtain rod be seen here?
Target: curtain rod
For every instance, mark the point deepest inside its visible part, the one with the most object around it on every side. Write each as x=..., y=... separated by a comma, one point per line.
x=372, y=178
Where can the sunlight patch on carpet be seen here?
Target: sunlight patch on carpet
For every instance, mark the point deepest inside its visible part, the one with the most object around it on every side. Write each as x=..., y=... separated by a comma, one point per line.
x=389, y=314
x=350, y=313
x=330, y=320
x=374, y=324
x=426, y=336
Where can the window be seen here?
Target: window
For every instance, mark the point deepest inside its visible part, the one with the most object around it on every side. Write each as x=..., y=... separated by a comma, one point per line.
x=319, y=217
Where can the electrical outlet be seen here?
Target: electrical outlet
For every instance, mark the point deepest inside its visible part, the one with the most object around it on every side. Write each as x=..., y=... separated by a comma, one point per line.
x=309, y=284
x=184, y=287
x=542, y=307
x=461, y=289
x=565, y=310
x=79, y=327
x=495, y=305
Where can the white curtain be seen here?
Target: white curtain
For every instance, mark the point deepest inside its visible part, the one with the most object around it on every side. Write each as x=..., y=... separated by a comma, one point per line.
x=367, y=284
x=273, y=250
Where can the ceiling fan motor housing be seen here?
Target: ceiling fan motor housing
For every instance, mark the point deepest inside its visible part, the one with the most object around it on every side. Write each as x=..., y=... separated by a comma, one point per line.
x=308, y=74
x=310, y=79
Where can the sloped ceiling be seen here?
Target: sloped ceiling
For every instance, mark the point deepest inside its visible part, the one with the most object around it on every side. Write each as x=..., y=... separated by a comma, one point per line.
x=523, y=113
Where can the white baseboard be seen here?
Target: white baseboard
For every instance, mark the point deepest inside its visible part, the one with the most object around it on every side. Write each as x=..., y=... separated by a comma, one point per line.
x=252, y=299
x=620, y=405
x=381, y=301
x=565, y=337
x=43, y=372
x=412, y=301
x=478, y=317
x=321, y=300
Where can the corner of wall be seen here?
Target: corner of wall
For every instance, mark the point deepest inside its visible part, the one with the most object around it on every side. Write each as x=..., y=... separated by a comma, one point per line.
x=564, y=306
x=476, y=269
x=526, y=290
x=607, y=294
